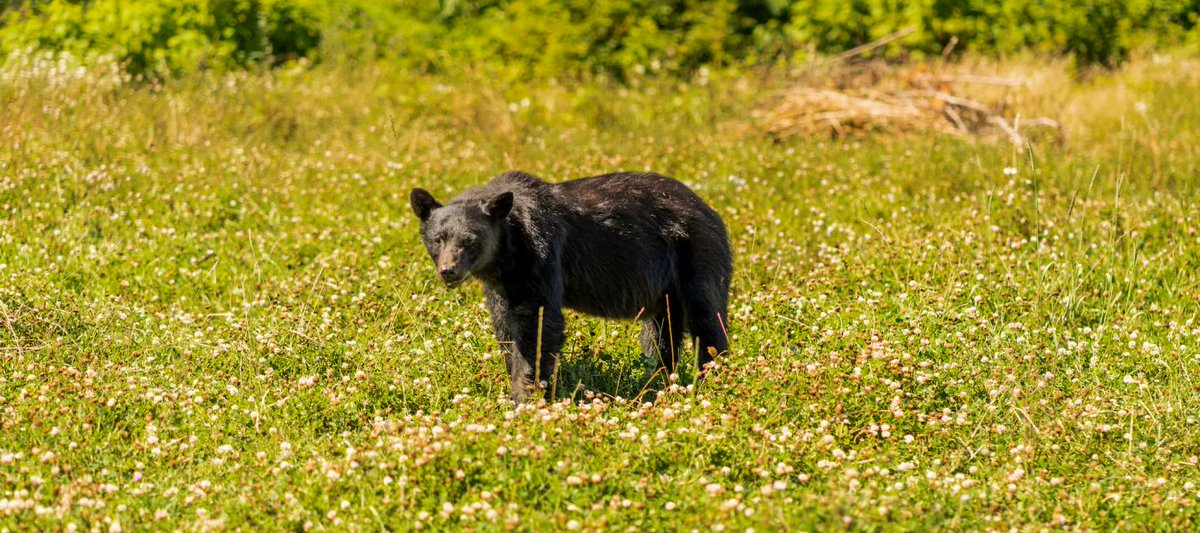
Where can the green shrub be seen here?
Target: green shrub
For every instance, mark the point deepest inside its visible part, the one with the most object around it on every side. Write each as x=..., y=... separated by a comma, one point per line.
x=160, y=36
x=565, y=38
x=542, y=38
x=551, y=38
x=1094, y=31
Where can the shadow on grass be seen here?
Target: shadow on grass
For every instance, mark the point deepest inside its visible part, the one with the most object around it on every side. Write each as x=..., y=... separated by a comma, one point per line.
x=615, y=373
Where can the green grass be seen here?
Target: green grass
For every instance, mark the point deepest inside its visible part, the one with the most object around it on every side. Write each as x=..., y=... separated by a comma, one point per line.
x=216, y=312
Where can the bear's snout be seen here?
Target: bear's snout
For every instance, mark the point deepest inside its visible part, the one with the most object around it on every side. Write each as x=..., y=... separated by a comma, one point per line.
x=449, y=274
x=450, y=267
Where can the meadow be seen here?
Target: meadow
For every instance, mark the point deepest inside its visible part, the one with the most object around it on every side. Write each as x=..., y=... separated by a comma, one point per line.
x=215, y=311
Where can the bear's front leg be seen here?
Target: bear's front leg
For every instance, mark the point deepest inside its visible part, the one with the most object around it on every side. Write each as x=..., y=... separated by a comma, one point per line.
x=529, y=358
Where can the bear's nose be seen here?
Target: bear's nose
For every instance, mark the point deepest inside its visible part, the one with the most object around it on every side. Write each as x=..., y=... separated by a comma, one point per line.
x=448, y=274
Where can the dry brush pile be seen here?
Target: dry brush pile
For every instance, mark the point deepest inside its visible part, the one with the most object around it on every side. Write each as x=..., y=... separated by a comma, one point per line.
x=874, y=97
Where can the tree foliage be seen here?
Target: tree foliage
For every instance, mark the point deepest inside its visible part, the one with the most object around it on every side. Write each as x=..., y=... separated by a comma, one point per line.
x=556, y=38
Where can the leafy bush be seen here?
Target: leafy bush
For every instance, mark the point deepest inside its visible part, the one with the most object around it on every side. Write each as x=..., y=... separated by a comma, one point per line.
x=543, y=38
x=564, y=38
x=160, y=36
x=1094, y=31
x=550, y=38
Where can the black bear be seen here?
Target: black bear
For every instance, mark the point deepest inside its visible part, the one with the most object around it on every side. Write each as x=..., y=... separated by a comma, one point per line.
x=621, y=245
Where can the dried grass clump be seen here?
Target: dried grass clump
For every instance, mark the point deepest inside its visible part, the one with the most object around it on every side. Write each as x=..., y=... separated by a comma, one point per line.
x=878, y=98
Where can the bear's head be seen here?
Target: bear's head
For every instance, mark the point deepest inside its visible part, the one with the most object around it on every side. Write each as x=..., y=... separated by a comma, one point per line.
x=462, y=238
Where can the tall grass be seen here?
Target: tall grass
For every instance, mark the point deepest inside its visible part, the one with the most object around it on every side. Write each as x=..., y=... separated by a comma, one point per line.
x=215, y=312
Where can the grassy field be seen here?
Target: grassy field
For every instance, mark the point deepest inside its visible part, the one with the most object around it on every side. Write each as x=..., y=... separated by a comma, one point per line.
x=215, y=312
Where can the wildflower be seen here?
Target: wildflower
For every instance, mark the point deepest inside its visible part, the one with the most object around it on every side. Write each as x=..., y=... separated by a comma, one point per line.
x=1016, y=475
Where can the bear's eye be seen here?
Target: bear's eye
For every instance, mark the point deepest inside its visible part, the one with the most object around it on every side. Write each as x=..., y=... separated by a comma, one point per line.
x=438, y=240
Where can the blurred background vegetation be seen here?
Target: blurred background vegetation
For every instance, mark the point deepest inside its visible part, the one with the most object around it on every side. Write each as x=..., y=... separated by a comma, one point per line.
x=562, y=39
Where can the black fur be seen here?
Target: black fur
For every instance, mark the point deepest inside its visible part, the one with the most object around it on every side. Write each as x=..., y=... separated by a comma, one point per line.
x=616, y=246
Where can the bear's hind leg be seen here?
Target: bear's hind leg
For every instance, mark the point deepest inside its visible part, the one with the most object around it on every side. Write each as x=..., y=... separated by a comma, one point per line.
x=662, y=334
x=707, y=314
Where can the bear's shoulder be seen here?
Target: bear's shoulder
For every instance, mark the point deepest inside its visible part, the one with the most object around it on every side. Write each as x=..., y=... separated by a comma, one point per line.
x=517, y=178
x=525, y=187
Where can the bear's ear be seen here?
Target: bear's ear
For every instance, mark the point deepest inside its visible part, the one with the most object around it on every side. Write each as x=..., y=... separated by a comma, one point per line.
x=422, y=203
x=499, y=206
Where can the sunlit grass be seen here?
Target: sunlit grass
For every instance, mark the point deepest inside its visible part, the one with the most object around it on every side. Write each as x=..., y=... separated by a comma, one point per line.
x=215, y=311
